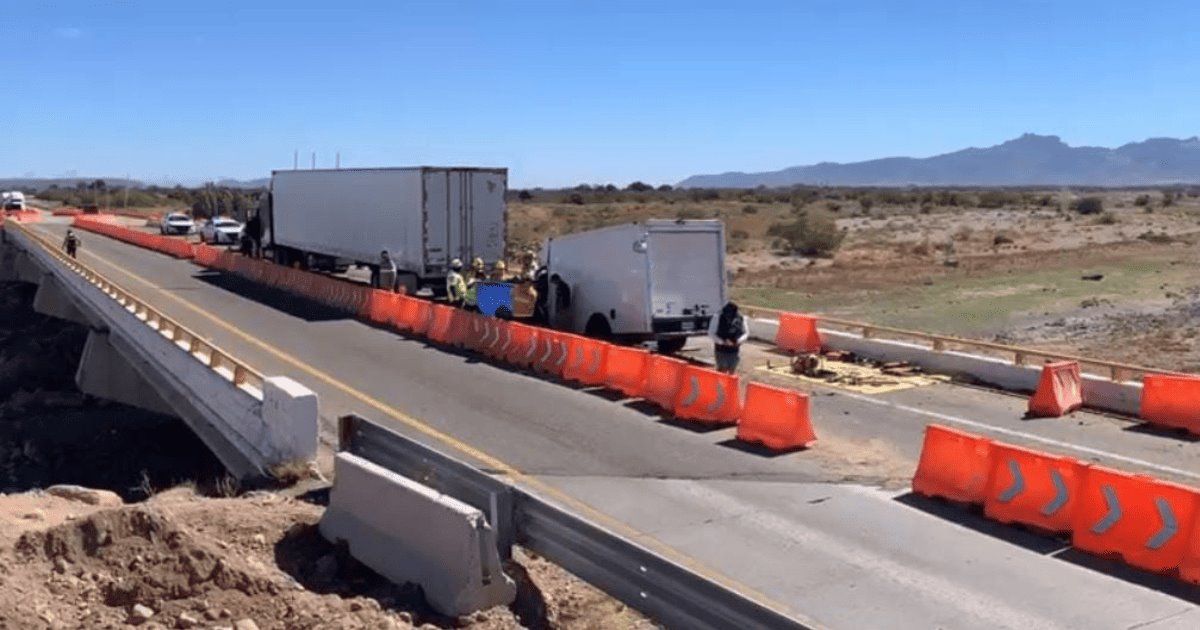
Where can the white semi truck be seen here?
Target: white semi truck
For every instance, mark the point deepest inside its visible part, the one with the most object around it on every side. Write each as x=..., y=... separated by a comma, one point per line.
x=660, y=280
x=328, y=220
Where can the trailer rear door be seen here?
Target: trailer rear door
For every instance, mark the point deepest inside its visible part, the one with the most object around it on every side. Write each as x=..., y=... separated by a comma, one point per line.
x=687, y=276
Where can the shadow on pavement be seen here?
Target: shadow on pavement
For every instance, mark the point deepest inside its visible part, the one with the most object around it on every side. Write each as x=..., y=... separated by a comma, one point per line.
x=282, y=301
x=758, y=449
x=972, y=518
x=1178, y=435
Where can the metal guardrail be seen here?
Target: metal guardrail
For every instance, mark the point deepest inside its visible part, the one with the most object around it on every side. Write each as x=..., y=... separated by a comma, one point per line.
x=200, y=348
x=1116, y=371
x=663, y=590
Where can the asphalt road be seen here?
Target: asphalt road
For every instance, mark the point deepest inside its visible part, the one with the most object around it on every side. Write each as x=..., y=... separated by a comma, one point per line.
x=830, y=534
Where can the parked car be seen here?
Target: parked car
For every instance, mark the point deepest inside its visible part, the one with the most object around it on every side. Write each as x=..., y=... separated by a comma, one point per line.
x=177, y=223
x=221, y=231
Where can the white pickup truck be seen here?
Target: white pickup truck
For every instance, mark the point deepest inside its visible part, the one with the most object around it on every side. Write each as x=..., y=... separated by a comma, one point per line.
x=660, y=280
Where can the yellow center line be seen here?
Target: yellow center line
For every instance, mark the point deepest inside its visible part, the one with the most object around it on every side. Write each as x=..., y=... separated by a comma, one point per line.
x=491, y=461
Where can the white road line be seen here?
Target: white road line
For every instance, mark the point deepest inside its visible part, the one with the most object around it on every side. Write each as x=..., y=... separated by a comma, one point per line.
x=1023, y=435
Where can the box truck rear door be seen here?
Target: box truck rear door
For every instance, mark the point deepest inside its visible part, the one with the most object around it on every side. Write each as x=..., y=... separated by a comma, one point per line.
x=685, y=273
x=437, y=214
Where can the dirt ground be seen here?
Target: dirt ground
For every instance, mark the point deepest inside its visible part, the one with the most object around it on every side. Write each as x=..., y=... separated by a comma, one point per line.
x=179, y=560
x=195, y=554
x=1014, y=273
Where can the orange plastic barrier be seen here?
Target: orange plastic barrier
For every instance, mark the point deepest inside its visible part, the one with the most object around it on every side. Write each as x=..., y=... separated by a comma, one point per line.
x=708, y=396
x=586, y=361
x=1033, y=488
x=461, y=326
x=441, y=325
x=499, y=340
x=553, y=351
x=776, y=418
x=626, y=369
x=67, y=212
x=380, y=306
x=422, y=317
x=1059, y=392
x=522, y=352
x=405, y=316
x=1144, y=521
x=798, y=333
x=664, y=377
x=1171, y=401
x=954, y=465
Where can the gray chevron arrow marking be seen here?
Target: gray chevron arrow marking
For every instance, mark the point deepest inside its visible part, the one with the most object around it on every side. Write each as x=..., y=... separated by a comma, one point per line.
x=693, y=394
x=1060, y=497
x=1114, y=510
x=1170, y=526
x=720, y=399
x=1018, y=484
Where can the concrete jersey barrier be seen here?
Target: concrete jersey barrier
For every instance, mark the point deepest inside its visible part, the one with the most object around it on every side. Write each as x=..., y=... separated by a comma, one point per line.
x=1098, y=393
x=410, y=533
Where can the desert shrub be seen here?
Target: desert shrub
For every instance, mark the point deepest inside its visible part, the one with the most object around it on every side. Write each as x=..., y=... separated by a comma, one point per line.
x=1088, y=205
x=524, y=195
x=690, y=213
x=997, y=199
x=739, y=235
x=1106, y=218
x=575, y=198
x=813, y=233
x=1142, y=200
x=749, y=209
x=1002, y=239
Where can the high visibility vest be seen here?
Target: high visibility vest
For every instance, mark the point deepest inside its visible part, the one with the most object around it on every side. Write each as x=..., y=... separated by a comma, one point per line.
x=456, y=287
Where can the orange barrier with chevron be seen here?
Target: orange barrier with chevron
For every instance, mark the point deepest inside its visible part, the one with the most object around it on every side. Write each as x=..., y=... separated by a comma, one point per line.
x=708, y=396
x=585, y=362
x=1060, y=390
x=954, y=465
x=664, y=378
x=625, y=370
x=776, y=418
x=1169, y=400
x=553, y=351
x=1134, y=518
x=1142, y=521
x=798, y=333
x=522, y=350
x=1032, y=488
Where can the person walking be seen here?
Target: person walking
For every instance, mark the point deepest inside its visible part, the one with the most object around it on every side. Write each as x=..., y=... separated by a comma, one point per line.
x=71, y=243
x=728, y=331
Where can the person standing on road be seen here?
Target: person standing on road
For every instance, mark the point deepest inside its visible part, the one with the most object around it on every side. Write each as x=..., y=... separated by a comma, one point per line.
x=729, y=331
x=254, y=230
x=71, y=243
x=387, y=272
x=456, y=286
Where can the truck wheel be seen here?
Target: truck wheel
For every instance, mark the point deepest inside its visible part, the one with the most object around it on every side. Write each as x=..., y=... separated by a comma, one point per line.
x=597, y=327
x=671, y=345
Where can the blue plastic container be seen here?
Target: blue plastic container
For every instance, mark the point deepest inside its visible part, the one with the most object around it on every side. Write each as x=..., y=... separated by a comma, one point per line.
x=490, y=296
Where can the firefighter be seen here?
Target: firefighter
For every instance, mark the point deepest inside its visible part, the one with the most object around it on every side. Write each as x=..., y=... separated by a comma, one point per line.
x=530, y=269
x=498, y=271
x=456, y=286
x=71, y=243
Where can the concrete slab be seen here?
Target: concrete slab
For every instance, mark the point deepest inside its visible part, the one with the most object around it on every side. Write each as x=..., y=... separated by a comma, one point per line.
x=410, y=533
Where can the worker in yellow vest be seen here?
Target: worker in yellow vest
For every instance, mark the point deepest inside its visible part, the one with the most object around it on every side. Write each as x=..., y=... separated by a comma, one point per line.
x=456, y=286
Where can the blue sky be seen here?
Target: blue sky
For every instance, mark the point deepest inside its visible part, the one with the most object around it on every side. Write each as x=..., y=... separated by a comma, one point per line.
x=570, y=91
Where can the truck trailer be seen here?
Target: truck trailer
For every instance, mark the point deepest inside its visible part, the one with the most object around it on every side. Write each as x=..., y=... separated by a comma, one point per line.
x=661, y=280
x=424, y=217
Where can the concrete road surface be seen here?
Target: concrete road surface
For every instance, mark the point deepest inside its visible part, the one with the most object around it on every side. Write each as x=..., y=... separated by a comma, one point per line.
x=830, y=535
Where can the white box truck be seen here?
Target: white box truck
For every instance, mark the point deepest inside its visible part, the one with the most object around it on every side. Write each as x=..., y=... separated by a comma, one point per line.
x=330, y=219
x=659, y=280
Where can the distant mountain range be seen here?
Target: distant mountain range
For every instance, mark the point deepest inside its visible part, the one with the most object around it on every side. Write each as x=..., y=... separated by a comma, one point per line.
x=1030, y=160
x=40, y=183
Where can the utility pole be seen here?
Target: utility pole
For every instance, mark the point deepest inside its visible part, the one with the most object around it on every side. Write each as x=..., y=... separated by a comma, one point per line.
x=314, y=160
x=296, y=160
x=125, y=203
x=338, y=161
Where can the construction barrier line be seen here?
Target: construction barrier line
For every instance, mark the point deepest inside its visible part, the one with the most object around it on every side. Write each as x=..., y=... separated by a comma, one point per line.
x=776, y=418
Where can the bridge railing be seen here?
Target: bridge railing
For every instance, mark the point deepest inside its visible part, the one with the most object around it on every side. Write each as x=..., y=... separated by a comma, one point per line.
x=203, y=350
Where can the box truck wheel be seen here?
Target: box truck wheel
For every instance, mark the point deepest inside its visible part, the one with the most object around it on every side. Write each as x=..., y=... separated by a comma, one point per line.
x=671, y=345
x=597, y=327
